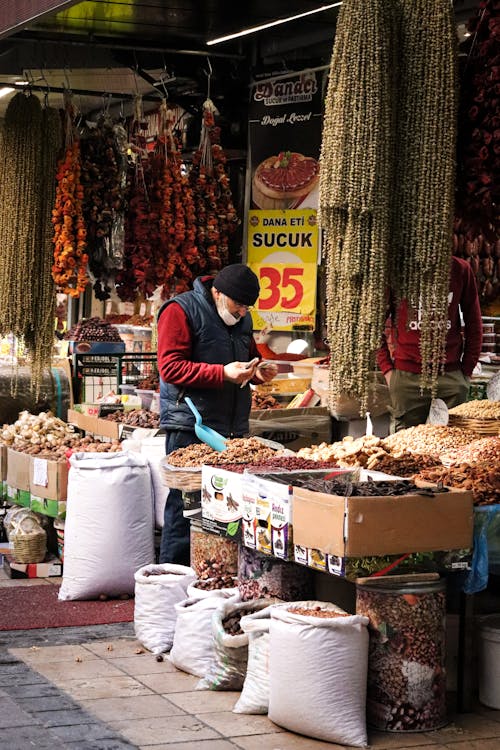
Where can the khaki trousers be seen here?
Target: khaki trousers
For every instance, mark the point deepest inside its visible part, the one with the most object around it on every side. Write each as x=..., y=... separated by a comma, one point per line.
x=411, y=407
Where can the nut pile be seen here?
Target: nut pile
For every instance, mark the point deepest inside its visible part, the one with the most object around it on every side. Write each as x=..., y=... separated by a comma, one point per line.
x=43, y=430
x=261, y=401
x=406, y=675
x=481, y=409
x=93, y=329
x=347, y=452
x=222, y=581
x=317, y=612
x=212, y=555
x=231, y=623
x=135, y=418
x=427, y=439
x=482, y=479
x=239, y=451
x=483, y=449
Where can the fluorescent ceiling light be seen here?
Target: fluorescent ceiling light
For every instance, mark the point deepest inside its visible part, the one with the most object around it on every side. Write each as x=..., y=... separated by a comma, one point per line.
x=278, y=22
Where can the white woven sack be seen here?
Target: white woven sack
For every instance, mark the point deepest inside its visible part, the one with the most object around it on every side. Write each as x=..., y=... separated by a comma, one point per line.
x=228, y=669
x=194, y=592
x=328, y=659
x=158, y=589
x=254, y=698
x=193, y=649
x=153, y=448
x=109, y=530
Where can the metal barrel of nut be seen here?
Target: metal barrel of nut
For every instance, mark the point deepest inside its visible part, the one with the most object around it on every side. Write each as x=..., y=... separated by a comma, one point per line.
x=406, y=667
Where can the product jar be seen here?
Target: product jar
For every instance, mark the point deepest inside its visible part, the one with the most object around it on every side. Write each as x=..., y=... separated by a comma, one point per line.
x=406, y=666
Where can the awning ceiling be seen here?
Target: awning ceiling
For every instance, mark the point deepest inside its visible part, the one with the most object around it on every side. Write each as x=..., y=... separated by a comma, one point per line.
x=125, y=46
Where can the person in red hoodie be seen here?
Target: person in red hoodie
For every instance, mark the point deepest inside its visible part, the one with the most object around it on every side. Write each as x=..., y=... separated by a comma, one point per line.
x=399, y=356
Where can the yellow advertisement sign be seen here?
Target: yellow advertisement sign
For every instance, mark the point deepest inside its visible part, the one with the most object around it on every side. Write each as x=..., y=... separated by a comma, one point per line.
x=283, y=252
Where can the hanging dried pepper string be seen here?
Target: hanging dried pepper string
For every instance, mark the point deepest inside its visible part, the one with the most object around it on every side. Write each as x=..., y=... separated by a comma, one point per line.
x=215, y=212
x=69, y=269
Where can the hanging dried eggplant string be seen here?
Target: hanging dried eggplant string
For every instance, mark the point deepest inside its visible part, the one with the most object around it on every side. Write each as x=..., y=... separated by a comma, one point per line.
x=355, y=190
x=40, y=339
x=425, y=174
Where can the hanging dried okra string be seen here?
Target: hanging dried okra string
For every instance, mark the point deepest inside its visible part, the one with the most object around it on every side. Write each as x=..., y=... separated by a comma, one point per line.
x=425, y=173
x=356, y=188
x=40, y=339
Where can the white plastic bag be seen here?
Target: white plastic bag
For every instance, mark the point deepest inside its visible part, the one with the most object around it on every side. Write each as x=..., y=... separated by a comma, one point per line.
x=254, y=698
x=153, y=448
x=318, y=672
x=193, y=649
x=109, y=530
x=228, y=669
x=158, y=589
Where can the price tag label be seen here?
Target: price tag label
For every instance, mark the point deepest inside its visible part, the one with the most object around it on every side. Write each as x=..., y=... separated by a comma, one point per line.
x=493, y=388
x=438, y=413
x=41, y=472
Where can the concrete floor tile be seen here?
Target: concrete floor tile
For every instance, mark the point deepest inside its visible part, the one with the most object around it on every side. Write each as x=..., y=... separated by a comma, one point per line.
x=39, y=690
x=106, y=743
x=205, y=701
x=64, y=718
x=12, y=715
x=170, y=682
x=104, y=687
x=163, y=730
x=393, y=740
x=282, y=741
x=143, y=664
x=88, y=732
x=138, y=707
x=232, y=725
x=203, y=745
x=22, y=738
x=47, y=703
x=76, y=670
x=51, y=654
x=113, y=649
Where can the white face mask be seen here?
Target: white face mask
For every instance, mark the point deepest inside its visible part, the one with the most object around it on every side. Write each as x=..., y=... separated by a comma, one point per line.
x=223, y=310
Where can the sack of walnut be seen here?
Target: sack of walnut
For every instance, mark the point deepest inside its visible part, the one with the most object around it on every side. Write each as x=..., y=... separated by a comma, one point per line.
x=193, y=647
x=229, y=667
x=158, y=588
x=317, y=646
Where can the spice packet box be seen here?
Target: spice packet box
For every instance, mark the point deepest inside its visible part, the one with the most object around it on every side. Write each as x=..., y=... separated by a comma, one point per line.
x=310, y=556
x=267, y=515
x=221, y=501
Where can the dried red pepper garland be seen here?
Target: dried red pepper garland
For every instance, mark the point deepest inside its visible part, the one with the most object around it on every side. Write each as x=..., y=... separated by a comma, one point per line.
x=215, y=212
x=477, y=222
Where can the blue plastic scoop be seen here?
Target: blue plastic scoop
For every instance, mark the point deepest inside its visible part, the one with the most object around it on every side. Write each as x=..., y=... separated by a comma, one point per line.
x=212, y=438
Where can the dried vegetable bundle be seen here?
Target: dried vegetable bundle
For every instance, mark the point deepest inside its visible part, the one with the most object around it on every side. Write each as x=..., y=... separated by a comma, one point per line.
x=30, y=146
x=160, y=230
x=387, y=180
x=425, y=172
x=355, y=189
x=69, y=270
x=103, y=166
x=477, y=216
x=216, y=217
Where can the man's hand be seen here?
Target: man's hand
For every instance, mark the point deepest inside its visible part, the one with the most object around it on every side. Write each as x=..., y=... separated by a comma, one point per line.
x=266, y=371
x=240, y=372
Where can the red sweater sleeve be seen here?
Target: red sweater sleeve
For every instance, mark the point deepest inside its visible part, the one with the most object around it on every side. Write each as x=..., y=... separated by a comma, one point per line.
x=175, y=351
x=383, y=354
x=473, y=325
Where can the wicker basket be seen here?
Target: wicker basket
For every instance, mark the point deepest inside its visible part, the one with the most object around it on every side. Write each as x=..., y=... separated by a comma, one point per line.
x=30, y=547
x=185, y=479
x=480, y=426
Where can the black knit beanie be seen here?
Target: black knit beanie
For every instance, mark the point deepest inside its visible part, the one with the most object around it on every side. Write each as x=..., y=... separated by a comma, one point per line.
x=239, y=282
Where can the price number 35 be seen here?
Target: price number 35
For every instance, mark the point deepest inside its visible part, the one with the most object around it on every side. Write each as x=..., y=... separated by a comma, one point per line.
x=280, y=287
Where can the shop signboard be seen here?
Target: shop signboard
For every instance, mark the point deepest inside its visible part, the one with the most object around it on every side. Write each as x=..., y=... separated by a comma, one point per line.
x=281, y=227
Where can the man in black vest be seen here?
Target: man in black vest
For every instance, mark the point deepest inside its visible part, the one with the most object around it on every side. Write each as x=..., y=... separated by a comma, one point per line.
x=206, y=351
